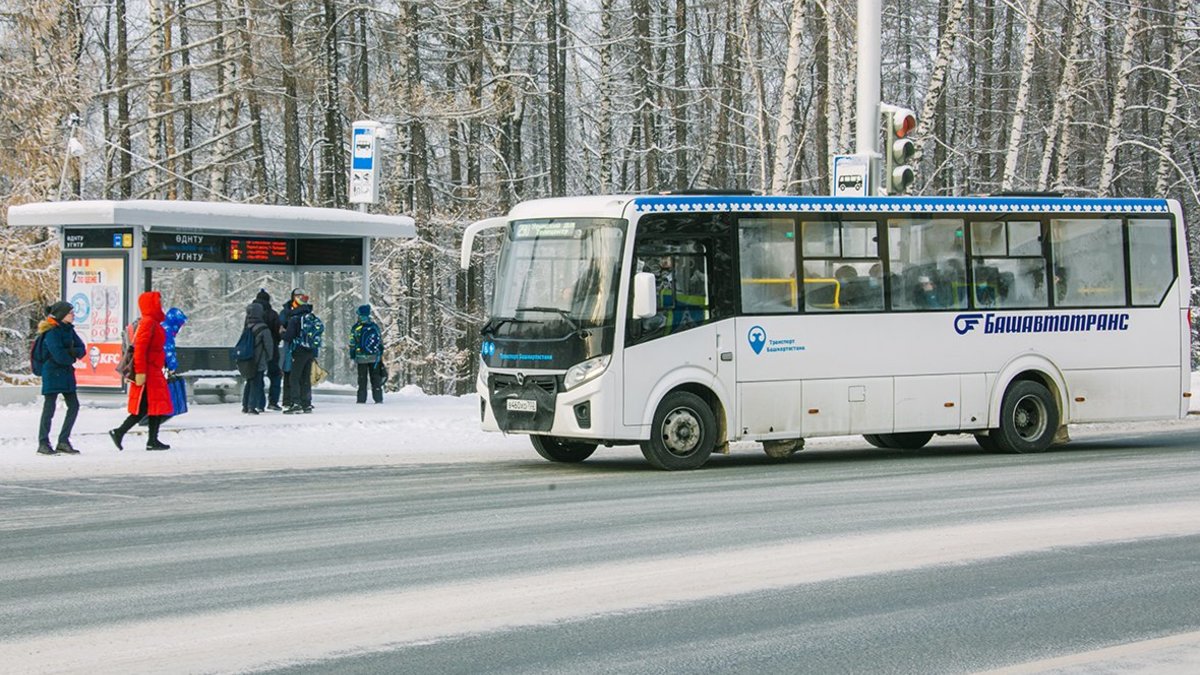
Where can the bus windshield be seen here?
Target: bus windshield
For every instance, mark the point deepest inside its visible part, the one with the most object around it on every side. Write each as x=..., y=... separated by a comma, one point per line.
x=557, y=275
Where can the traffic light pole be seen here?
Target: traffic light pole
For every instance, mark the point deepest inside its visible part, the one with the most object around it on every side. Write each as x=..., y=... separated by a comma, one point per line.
x=870, y=32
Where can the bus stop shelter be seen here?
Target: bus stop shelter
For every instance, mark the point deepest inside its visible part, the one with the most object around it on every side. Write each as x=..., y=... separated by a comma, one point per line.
x=209, y=259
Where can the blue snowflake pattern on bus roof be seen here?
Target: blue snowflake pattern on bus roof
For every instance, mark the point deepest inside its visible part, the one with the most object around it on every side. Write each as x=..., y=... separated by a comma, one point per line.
x=726, y=204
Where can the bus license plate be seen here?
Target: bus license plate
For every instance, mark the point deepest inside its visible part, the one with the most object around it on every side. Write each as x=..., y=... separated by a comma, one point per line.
x=521, y=405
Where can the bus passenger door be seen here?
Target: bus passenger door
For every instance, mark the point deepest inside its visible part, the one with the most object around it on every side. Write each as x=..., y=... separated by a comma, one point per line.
x=681, y=342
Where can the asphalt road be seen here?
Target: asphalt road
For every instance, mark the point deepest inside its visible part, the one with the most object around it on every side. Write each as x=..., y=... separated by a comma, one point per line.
x=839, y=560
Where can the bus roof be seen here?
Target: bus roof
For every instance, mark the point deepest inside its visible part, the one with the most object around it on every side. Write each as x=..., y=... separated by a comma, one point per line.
x=898, y=205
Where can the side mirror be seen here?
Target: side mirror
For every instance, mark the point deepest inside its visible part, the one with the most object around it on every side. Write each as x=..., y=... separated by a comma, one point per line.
x=644, y=296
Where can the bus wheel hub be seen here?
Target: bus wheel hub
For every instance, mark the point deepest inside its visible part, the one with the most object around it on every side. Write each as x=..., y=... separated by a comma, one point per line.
x=681, y=432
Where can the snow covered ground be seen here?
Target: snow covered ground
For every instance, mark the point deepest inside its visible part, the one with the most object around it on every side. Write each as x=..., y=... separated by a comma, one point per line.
x=408, y=427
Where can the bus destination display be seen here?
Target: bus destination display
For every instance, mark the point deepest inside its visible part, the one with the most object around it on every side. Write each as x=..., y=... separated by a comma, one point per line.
x=261, y=251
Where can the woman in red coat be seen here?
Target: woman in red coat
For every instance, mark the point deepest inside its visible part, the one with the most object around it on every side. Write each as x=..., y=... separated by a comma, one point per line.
x=148, y=394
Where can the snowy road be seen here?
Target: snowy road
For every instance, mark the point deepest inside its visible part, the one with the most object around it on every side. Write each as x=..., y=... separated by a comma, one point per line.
x=845, y=559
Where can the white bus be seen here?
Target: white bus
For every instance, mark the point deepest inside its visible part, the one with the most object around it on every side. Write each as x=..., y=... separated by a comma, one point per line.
x=685, y=322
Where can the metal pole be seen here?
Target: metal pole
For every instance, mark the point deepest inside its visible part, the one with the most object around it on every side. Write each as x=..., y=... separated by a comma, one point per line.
x=870, y=20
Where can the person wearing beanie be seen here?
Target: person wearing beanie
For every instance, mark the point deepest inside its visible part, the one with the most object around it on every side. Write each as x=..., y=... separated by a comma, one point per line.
x=254, y=401
x=298, y=298
x=56, y=349
x=366, y=351
x=274, y=372
x=302, y=339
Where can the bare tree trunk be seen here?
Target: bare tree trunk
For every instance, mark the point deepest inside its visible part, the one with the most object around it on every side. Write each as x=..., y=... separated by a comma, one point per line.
x=1108, y=166
x=226, y=120
x=246, y=27
x=1021, y=106
x=752, y=60
x=941, y=65
x=679, y=102
x=124, y=139
x=1059, y=143
x=556, y=14
x=785, y=135
x=293, y=182
x=644, y=91
x=185, y=90
x=1166, y=139
x=333, y=156
x=159, y=29
x=605, y=122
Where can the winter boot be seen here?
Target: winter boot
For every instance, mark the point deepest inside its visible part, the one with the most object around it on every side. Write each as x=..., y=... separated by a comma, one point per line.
x=157, y=445
x=45, y=449
x=116, y=435
x=65, y=448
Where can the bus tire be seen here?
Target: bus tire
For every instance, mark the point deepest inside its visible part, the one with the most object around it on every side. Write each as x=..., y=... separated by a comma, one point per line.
x=562, y=449
x=987, y=442
x=877, y=440
x=1028, y=418
x=683, y=434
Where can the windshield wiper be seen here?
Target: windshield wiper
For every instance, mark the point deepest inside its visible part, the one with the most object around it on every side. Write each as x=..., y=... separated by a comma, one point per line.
x=495, y=322
x=553, y=310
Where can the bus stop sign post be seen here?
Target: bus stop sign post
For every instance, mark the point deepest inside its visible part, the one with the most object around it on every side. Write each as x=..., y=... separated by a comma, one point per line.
x=364, y=163
x=852, y=176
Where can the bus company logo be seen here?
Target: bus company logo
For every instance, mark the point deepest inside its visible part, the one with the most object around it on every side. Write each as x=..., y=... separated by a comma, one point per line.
x=965, y=323
x=759, y=342
x=488, y=348
x=757, y=338
x=1041, y=323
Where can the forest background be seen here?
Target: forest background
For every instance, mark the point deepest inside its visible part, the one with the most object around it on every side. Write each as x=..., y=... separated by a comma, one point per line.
x=495, y=101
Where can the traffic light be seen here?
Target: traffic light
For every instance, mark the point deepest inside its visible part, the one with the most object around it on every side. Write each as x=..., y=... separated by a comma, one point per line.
x=898, y=148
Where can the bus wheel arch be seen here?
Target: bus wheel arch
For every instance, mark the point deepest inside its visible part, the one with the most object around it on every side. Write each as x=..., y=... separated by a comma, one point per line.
x=685, y=430
x=1033, y=368
x=567, y=450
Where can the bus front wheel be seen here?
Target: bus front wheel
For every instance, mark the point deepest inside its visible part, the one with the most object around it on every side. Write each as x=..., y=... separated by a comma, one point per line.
x=561, y=449
x=683, y=434
x=1028, y=418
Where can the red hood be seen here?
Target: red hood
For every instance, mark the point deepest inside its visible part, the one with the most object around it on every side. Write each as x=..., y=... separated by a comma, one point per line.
x=150, y=304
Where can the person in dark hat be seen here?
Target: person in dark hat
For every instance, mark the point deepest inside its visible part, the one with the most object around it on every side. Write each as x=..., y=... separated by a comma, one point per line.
x=299, y=297
x=274, y=372
x=366, y=350
x=57, y=348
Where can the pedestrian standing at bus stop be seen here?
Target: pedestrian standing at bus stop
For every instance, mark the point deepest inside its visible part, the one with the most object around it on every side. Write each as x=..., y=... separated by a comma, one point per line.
x=366, y=351
x=148, y=394
x=54, y=354
x=304, y=335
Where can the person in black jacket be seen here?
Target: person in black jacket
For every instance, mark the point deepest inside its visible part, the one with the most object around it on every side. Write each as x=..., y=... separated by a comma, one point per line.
x=274, y=372
x=253, y=398
x=60, y=348
x=300, y=374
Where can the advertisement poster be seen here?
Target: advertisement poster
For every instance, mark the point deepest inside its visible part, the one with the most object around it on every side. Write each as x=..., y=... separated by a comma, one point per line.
x=96, y=288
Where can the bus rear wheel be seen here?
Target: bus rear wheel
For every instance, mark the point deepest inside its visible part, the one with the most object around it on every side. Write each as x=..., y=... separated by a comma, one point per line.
x=683, y=434
x=1028, y=418
x=558, y=449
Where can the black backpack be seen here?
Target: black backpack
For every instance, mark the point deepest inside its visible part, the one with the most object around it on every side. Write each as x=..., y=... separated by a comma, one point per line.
x=36, y=358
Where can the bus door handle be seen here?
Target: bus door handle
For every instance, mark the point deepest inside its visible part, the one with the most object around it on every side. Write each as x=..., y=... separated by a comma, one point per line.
x=726, y=356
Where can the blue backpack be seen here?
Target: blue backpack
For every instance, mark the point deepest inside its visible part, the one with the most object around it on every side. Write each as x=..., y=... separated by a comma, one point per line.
x=311, y=329
x=368, y=344
x=244, y=349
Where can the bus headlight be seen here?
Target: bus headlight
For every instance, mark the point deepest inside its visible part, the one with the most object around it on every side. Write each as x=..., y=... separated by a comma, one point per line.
x=582, y=372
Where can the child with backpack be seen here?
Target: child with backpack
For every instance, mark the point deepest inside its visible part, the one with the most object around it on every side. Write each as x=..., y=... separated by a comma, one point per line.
x=366, y=350
x=53, y=356
x=303, y=333
x=254, y=350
